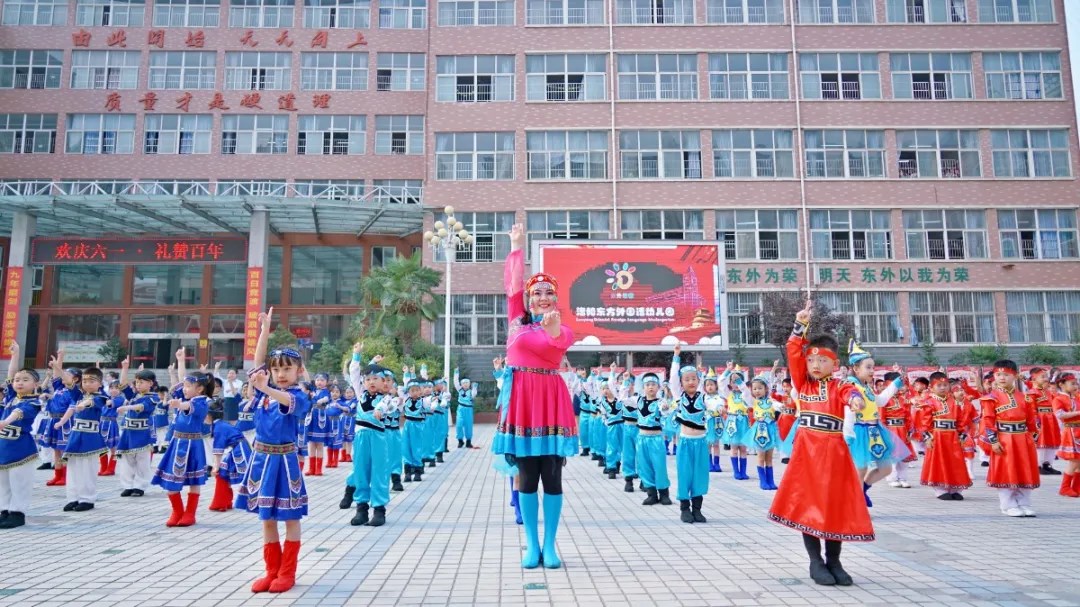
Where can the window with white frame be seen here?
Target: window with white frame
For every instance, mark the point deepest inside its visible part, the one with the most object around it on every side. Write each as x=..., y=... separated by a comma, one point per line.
x=258, y=71
x=567, y=154
x=835, y=11
x=844, y=154
x=477, y=320
x=1038, y=234
x=926, y=11
x=104, y=69
x=100, y=134
x=651, y=76
x=748, y=76
x=744, y=318
x=110, y=13
x=330, y=189
x=745, y=11
x=661, y=225
x=834, y=76
x=344, y=71
x=565, y=77
x=567, y=225
x=398, y=191
x=660, y=154
x=1031, y=153
x=1043, y=316
x=491, y=238
x=474, y=156
x=944, y=317
x=331, y=135
x=399, y=134
x=757, y=153
x=931, y=76
x=564, y=12
x=30, y=69
x=1031, y=75
x=1016, y=11
x=403, y=14
x=254, y=134
x=944, y=154
x=400, y=72
x=182, y=70
x=261, y=13
x=381, y=256
x=464, y=13
x=767, y=235
x=953, y=234
x=187, y=13
x=654, y=12
x=875, y=315
x=474, y=78
x=337, y=14
x=35, y=12
x=177, y=133
x=27, y=133
x=842, y=234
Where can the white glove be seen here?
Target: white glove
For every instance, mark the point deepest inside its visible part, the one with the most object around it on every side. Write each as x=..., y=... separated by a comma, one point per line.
x=849, y=423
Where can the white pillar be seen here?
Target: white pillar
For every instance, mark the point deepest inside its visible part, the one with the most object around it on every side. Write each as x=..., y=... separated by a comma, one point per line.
x=255, y=287
x=17, y=285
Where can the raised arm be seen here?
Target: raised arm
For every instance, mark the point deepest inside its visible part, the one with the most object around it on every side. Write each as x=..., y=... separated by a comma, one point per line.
x=674, y=383
x=890, y=390
x=356, y=374
x=264, y=336
x=514, y=273
x=181, y=363
x=796, y=342
x=13, y=364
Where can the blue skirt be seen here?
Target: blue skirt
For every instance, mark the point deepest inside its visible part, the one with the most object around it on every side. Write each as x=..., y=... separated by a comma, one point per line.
x=788, y=443
x=273, y=488
x=235, y=463
x=182, y=465
x=348, y=429
x=669, y=426
x=734, y=432
x=337, y=435
x=762, y=435
x=52, y=438
x=318, y=427
x=879, y=454
x=110, y=432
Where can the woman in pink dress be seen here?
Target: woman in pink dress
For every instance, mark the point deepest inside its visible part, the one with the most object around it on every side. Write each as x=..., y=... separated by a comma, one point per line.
x=537, y=429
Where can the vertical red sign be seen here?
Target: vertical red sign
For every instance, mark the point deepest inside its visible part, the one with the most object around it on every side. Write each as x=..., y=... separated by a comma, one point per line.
x=12, y=297
x=251, y=312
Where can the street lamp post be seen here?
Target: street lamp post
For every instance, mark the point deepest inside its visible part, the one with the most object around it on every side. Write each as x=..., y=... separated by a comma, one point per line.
x=448, y=237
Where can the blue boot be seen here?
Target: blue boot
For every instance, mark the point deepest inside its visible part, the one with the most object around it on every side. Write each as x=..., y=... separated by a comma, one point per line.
x=552, y=511
x=530, y=513
x=769, y=480
x=866, y=494
x=513, y=494
x=675, y=449
x=735, y=468
x=667, y=446
x=743, y=476
x=712, y=463
x=517, y=512
x=763, y=481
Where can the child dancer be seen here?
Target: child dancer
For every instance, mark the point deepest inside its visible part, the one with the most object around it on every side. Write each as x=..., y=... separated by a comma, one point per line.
x=1011, y=427
x=392, y=421
x=872, y=447
x=137, y=434
x=763, y=433
x=17, y=449
x=184, y=462
x=714, y=404
x=1042, y=400
x=66, y=392
x=613, y=423
x=1067, y=410
x=897, y=416
x=737, y=420
x=442, y=417
x=370, y=477
x=161, y=416
x=232, y=456
x=692, y=459
x=938, y=422
x=110, y=426
x=335, y=436
x=585, y=416
x=628, y=399
x=85, y=443
x=789, y=413
x=466, y=393
x=651, y=452
x=348, y=423
x=412, y=443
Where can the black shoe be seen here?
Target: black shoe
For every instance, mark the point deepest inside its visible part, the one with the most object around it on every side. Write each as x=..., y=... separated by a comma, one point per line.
x=685, y=515
x=12, y=520
x=665, y=499
x=629, y=488
x=418, y=475
x=985, y=464
x=125, y=493
x=83, y=507
x=957, y=497
x=438, y=458
x=431, y=464
x=460, y=443
x=786, y=460
x=600, y=462
x=1049, y=470
x=361, y=517
x=585, y=452
x=378, y=519
x=45, y=466
x=468, y=444
x=727, y=447
x=641, y=485
x=821, y=574
x=695, y=509
x=347, y=501
x=948, y=497
x=3, y=515
x=653, y=498
x=137, y=493
x=408, y=474
x=68, y=507
x=611, y=474
x=395, y=479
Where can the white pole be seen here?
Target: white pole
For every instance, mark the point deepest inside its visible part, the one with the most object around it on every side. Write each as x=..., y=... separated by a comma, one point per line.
x=448, y=249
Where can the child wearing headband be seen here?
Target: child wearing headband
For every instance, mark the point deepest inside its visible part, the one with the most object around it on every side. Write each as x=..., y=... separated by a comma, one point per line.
x=85, y=444
x=318, y=426
x=1040, y=396
x=651, y=452
x=137, y=433
x=692, y=460
x=939, y=423
x=1067, y=411
x=17, y=449
x=67, y=390
x=1011, y=427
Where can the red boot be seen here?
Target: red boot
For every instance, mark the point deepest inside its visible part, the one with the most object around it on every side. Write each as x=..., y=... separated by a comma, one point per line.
x=286, y=577
x=348, y=457
x=311, y=466
x=57, y=479
x=222, y=496
x=1068, y=485
x=110, y=468
x=177, y=509
x=272, y=559
x=332, y=458
x=318, y=466
x=104, y=460
x=189, y=513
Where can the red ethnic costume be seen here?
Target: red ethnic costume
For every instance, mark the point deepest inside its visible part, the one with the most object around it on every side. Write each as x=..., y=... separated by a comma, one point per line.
x=1049, y=440
x=1069, y=405
x=898, y=419
x=940, y=423
x=1010, y=423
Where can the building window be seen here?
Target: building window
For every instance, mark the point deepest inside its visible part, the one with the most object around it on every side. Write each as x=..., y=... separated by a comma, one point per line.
x=836, y=11
x=565, y=77
x=567, y=154
x=758, y=235
x=100, y=134
x=403, y=14
x=474, y=156
x=325, y=276
x=931, y=76
x=182, y=70
x=926, y=11
x=109, y=13
x=1023, y=75
x=187, y=13
x=1041, y=234
x=938, y=154
x=748, y=76
x=399, y=135
x=1043, y=317
x=168, y=285
x=875, y=315
x=257, y=71
x=178, y=133
x=953, y=318
x=317, y=330
x=565, y=12
x=759, y=153
x=662, y=225
x=381, y=256
x=945, y=234
x=567, y=225
x=1016, y=11
x=104, y=69
x=745, y=11
x=251, y=187
x=654, y=12
x=491, y=239
x=853, y=154
x=478, y=320
x=27, y=133
x=333, y=71
x=329, y=189
x=337, y=14
x=274, y=274
x=35, y=12
x=30, y=69
x=660, y=154
x=400, y=72
x=842, y=235
x=1033, y=153
x=261, y=13
x=398, y=191
x=474, y=78
x=651, y=76
x=337, y=135
x=81, y=328
x=251, y=134
x=744, y=318
x=88, y=285
x=229, y=286
x=833, y=76
x=475, y=12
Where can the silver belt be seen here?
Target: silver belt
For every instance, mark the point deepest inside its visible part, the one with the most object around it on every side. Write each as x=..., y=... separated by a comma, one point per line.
x=84, y=425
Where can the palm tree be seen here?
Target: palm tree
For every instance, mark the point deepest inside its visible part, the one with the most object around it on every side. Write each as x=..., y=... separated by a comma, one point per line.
x=398, y=296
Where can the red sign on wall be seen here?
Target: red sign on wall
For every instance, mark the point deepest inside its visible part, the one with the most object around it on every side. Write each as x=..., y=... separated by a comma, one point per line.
x=57, y=251
x=12, y=297
x=253, y=306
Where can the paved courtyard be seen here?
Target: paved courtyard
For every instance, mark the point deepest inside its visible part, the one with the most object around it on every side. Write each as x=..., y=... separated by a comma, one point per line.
x=451, y=540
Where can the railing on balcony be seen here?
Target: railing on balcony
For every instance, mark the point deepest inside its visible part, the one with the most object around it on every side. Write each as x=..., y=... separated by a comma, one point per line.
x=916, y=14
x=474, y=92
x=589, y=15
x=564, y=91
x=29, y=81
x=692, y=167
x=950, y=168
x=654, y=16
x=909, y=169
